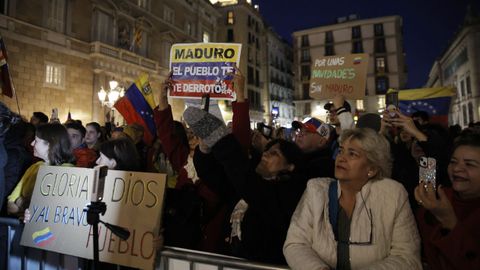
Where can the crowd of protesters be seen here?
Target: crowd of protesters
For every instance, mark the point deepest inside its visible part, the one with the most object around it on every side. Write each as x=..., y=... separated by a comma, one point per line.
x=327, y=195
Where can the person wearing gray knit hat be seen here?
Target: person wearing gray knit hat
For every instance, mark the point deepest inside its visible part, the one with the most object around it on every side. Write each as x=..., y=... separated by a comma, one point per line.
x=205, y=126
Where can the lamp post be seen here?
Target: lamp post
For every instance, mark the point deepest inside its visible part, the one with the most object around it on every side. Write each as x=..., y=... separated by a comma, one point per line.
x=109, y=97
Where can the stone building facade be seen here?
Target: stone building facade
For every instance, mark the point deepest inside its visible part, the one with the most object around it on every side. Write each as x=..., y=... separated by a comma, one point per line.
x=241, y=22
x=459, y=66
x=380, y=37
x=280, y=80
x=61, y=52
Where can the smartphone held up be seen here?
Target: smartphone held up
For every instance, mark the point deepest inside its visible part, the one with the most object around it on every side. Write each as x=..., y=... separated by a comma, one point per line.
x=99, y=183
x=391, y=102
x=427, y=171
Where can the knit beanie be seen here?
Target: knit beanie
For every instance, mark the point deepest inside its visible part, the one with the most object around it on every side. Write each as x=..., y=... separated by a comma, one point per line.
x=204, y=125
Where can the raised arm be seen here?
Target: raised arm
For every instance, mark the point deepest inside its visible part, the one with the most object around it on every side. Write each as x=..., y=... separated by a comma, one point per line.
x=240, y=108
x=176, y=152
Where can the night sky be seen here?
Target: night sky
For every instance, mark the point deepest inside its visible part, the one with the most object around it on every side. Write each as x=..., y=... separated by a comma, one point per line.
x=428, y=25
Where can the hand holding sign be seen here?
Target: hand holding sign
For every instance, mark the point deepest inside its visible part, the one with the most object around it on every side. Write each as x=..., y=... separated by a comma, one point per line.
x=338, y=101
x=238, y=84
x=202, y=68
x=165, y=88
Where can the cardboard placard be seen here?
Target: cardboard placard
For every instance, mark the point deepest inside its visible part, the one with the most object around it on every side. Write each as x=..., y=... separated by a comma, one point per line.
x=59, y=223
x=339, y=75
x=202, y=68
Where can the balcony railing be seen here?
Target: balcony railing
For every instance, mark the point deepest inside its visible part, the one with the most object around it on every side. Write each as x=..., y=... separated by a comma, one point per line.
x=121, y=54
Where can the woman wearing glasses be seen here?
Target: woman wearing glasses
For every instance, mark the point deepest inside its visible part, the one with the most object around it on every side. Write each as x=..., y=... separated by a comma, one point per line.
x=360, y=220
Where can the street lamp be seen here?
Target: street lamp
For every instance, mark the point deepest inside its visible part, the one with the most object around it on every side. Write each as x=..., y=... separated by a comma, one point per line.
x=111, y=96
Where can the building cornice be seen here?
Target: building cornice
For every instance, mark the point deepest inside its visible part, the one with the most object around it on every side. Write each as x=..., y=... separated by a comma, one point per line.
x=347, y=24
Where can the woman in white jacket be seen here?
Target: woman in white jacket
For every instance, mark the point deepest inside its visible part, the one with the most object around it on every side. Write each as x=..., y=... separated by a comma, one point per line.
x=361, y=221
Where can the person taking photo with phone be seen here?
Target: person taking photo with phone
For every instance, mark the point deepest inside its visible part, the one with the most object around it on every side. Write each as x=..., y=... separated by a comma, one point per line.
x=409, y=141
x=450, y=217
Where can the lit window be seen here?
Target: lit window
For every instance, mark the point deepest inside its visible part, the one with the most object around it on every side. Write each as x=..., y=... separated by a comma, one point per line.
x=380, y=64
x=381, y=102
x=206, y=37
x=360, y=105
x=56, y=15
x=54, y=75
x=230, y=17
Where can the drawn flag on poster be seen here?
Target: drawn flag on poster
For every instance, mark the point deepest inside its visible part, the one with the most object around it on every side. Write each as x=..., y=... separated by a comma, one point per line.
x=5, y=80
x=43, y=237
x=434, y=101
x=137, y=105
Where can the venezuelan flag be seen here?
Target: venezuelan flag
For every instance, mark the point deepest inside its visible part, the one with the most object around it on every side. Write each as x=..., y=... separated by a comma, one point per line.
x=434, y=101
x=137, y=105
x=43, y=237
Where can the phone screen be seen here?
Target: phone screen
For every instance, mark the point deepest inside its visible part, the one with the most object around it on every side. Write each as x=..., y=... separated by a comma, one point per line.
x=99, y=183
x=391, y=102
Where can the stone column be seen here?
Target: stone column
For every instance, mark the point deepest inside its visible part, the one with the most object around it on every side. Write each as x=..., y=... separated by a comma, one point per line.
x=97, y=108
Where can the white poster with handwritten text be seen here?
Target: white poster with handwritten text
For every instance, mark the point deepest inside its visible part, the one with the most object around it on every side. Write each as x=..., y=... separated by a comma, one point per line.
x=59, y=223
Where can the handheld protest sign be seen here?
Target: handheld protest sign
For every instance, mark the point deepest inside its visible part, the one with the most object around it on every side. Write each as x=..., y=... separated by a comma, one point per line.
x=203, y=68
x=339, y=75
x=58, y=223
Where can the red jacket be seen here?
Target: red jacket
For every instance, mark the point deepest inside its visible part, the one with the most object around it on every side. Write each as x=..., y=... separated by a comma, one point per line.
x=85, y=157
x=455, y=249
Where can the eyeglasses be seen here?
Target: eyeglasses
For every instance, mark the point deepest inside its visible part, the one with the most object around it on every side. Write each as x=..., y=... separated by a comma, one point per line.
x=366, y=243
